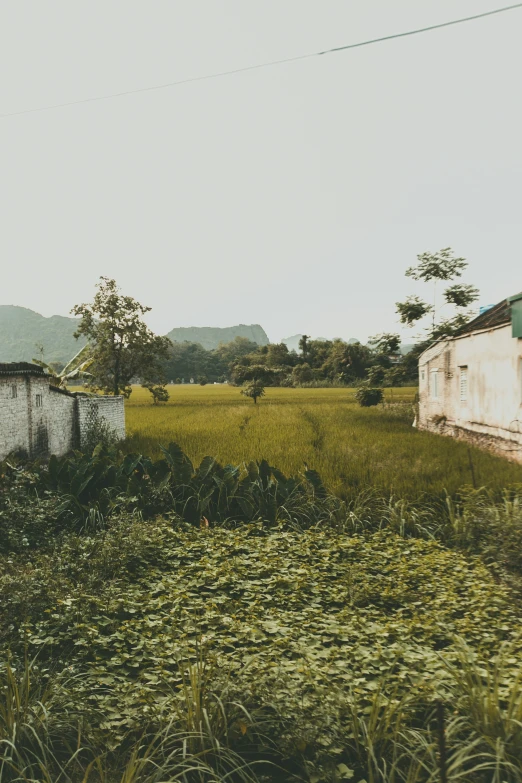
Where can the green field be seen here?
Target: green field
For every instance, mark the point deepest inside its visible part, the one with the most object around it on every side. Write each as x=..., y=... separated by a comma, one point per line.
x=352, y=448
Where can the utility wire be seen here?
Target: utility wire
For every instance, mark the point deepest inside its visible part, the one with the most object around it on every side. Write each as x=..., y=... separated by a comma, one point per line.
x=269, y=64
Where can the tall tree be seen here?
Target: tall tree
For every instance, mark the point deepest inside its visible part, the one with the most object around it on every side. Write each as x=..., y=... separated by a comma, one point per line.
x=122, y=345
x=347, y=361
x=385, y=343
x=303, y=345
x=277, y=355
x=436, y=268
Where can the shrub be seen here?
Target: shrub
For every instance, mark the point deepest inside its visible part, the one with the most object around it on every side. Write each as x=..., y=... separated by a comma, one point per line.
x=367, y=396
x=99, y=433
x=158, y=391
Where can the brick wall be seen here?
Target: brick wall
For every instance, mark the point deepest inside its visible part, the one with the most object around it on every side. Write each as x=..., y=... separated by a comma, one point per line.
x=14, y=424
x=62, y=425
x=39, y=420
x=91, y=410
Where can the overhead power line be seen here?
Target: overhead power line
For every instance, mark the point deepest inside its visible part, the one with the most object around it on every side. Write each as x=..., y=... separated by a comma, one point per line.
x=269, y=64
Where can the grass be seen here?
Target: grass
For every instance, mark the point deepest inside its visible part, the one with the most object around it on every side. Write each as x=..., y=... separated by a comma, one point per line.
x=352, y=448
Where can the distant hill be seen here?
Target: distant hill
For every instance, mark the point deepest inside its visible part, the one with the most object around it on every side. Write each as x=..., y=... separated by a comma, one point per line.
x=22, y=329
x=210, y=337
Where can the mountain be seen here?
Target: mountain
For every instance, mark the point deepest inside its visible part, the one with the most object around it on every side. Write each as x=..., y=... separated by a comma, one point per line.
x=210, y=337
x=292, y=342
x=21, y=330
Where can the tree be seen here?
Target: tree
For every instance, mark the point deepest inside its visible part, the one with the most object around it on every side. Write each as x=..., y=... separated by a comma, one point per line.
x=239, y=346
x=258, y=372
x=412, y=310
x=436, y=267
x=302, y=373
x=347, y=361
x=122, y=345
x=376, y=375
x=253, y=389
x=278, y=355
x=159, y=393
x=385, y=344
x=303, y=345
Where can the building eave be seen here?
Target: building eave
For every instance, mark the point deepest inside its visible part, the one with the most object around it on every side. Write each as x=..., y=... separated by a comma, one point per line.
x=482, y=331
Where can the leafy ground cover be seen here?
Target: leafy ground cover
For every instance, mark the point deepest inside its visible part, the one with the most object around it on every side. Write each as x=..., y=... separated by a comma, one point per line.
x=352, y=448
x=324, y=653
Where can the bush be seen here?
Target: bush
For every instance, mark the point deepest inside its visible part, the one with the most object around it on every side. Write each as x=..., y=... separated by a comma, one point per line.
x=367, y=396
x=158, y=391
x=99, y=433
x=302, y=373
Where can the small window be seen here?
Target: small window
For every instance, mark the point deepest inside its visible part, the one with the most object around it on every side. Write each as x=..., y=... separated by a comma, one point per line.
x=423, y=375
x=434, y=385
x=14, y=392
x=463, y=384
x=39, y=400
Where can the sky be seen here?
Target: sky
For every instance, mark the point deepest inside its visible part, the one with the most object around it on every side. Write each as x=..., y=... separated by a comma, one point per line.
x=293, y=196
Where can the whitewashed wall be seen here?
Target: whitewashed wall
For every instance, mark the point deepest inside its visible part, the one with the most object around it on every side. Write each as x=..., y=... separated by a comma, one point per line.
x=491, y=414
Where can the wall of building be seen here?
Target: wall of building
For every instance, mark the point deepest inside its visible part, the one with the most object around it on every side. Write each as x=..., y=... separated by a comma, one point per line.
x=40, y=416
x=62, y=426
x=40, y=420
x=91, y=410
x=24, y=425
x=491, y=414
x=14, y=429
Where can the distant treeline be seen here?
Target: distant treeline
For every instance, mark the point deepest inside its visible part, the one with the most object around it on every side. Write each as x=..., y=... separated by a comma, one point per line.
x=320, y=362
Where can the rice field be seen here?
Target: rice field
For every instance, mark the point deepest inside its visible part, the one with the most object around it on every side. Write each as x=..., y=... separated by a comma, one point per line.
x=352, y=448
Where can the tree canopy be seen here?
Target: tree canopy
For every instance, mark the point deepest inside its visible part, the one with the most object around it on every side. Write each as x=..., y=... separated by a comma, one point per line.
x=122, y=345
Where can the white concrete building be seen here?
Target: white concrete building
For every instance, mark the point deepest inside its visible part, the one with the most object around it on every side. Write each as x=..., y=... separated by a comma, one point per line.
x=470, y=385
x=38, y=419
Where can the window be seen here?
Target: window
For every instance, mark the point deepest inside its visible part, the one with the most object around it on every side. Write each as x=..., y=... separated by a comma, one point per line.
x=422, y=375
x=463, y=384
x=39, y=400
x=14, y=392
x=434, y=384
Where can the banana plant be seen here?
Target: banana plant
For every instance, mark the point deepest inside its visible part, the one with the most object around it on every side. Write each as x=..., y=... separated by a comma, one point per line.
x=76, y=368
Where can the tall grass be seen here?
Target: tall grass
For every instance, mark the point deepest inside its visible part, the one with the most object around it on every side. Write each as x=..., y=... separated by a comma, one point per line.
x=352, y=448
x=43, y=741
x=394, y=739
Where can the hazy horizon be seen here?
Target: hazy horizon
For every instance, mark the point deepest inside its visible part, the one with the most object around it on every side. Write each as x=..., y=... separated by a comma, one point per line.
x=294, y=196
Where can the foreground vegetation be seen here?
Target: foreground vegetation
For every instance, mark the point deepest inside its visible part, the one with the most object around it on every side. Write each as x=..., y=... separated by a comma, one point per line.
x=160, y=622
x=352, y=448
x=181, y=616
